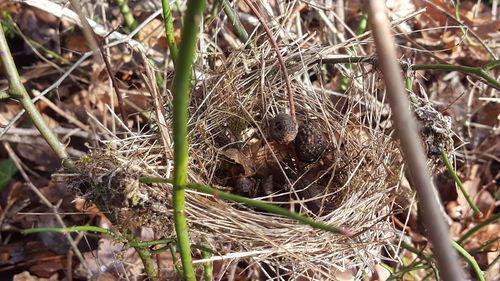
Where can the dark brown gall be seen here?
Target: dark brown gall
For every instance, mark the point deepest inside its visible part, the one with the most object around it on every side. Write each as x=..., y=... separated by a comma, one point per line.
x=283, y=128
x=309, y=143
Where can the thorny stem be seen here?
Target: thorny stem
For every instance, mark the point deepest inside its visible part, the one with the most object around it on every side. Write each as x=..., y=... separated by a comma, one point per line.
x=16, y=90
x=181, y=92
x=291, y=102
x=127, y=14
x=145, y=255
x=235, y=21
x=169, y=30
x=207, y=266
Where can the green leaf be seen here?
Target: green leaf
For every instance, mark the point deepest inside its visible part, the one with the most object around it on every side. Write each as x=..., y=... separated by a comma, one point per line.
x=7, y=170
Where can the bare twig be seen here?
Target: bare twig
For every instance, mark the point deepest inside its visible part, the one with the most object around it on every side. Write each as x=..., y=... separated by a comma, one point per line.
x=412, y=149
x=17, y=91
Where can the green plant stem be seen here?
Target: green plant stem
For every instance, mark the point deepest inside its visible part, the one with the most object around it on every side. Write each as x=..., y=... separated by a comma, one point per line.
x=250, y=202
x=130, y=239
x=16, y=90
x=452, y=172
x=4, y=95
x=145, y=256
x=476, y=71
x=150, y=243
x=479, y=72
x=418, y=252
x=96, y=229
x=470, y=259
x=491, y=65
x=457, y=15
x=181, y=92
x=71, y=229
x=235, y=21
x=175, y=261
x=483, y=247
x=476, y=228
x=127, y=14
x=169, y=30
x=207, y=266
x=398, y=275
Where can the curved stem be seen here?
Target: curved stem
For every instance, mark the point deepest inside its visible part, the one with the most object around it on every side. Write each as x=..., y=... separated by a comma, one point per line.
x=476, y=71
x=457, y=180
x=16, y=90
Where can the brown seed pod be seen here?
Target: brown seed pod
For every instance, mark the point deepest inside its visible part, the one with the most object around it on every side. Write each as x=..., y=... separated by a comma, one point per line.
x=283, y=128
x=309, y=143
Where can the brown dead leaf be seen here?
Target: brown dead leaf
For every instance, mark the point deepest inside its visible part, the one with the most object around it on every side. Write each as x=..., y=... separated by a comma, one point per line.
x=153, y=35
x=40, y=154
x=492, y=272
x=240, y=158
x=48, y=267
x=380, y=274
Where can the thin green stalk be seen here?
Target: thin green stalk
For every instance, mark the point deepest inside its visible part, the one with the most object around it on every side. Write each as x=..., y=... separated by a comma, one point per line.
x=169, y=30
x=480, y=72
x=72, y=229
x=127, y=14
x=457, y=15
x=483, y=247
x=476, y=71
x=398, y=275
x=181, y=92
x=476, y=228
x=16, y=90
x=452, y=172
x=235, y=21
x=145, y=256
x=150, y=243
x=175, y=261
x=418, y=252
x=250, y=202
x=207, y=266
x=470, y=259
x=422, y=256
x=491, y=65
x=14, y=29
x=140, y=246
x=347, y=59
x=96, y=229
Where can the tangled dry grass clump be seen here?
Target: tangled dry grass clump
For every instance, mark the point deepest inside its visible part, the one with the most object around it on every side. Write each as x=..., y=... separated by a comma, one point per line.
x=350, y=186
